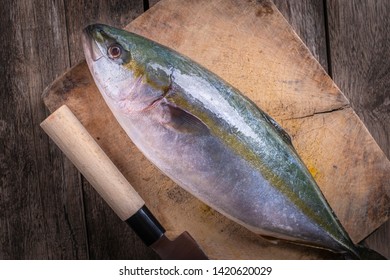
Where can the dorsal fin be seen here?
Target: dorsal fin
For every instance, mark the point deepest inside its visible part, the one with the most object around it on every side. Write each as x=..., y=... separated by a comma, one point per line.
x=285, y=136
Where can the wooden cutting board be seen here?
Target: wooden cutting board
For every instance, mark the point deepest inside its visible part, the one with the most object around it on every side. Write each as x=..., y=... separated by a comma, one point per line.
x=250, y=45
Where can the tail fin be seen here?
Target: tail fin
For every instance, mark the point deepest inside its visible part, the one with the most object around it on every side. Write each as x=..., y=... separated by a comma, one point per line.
x=368, y=254
x=365, y=253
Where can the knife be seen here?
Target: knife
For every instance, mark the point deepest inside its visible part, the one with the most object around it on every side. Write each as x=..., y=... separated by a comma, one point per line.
x=78, y=145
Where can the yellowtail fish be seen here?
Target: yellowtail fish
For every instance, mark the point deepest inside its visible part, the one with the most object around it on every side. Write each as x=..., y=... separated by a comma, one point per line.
x=211, y=140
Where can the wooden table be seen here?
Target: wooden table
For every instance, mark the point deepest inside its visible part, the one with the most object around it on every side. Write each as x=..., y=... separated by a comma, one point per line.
x=59, y=216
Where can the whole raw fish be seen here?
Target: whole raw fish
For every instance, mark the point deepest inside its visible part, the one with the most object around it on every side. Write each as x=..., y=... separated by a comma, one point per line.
x=210, y=139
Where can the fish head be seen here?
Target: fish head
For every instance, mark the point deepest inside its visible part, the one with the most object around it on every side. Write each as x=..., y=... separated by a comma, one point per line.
x=127, y=68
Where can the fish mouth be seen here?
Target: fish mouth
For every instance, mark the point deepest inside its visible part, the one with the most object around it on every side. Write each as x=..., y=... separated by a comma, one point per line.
x=90, y=35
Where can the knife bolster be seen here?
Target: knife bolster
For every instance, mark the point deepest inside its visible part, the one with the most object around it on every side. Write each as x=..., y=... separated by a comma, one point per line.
x=146, y=226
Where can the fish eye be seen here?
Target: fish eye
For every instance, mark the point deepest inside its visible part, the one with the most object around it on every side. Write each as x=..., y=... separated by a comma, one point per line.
x=114, y=51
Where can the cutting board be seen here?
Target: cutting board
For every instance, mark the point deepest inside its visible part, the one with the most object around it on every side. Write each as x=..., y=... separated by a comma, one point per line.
x=250, y=45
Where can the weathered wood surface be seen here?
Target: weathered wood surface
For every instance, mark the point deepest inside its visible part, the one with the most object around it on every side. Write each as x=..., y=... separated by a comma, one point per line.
x=359, y=40
x=352, y=36
x=53, y=213
x=107, y=236
x=47, y=211
x=40, y=197
x=288, y=83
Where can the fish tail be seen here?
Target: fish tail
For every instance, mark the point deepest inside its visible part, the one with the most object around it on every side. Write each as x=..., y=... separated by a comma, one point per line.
x=368, y=254
x=363, y=253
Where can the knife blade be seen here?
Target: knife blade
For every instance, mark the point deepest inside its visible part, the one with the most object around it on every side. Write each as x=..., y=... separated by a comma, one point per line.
x=78, y=145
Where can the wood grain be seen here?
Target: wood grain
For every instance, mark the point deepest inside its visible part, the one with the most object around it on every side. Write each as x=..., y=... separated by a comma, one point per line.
x=359, y=51
x=307, y=18
x=318, y=118
x=40, y=195
x=41, y=212
x=108, y=237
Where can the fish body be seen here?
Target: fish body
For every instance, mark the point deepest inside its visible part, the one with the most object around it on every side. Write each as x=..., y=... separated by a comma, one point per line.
x=210, y=139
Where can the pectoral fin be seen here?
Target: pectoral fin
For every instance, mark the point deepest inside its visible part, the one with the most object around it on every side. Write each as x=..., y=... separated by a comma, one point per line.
x=182, y=121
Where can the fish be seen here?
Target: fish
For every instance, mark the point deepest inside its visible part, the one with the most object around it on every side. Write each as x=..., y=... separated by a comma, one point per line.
x=212, y=140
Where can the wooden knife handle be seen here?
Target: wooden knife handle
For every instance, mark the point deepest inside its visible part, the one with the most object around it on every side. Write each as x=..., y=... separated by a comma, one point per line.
x=78, y=145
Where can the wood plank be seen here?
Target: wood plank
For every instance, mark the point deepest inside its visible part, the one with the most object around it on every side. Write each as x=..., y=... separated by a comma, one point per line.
x=359, y=49
x=40, y=199
x=288, y=83
x=307, y=18
x=152, y=2
x=108, y=236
